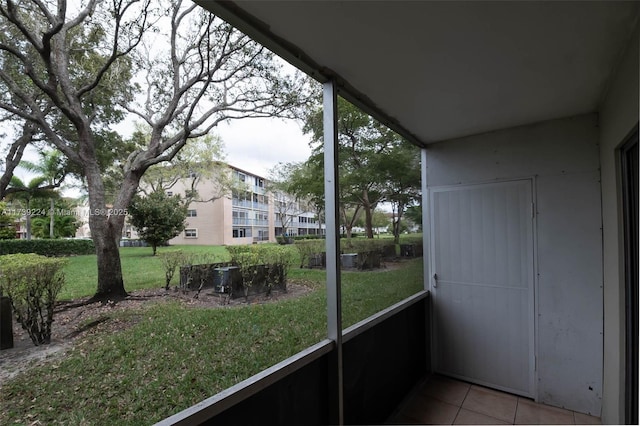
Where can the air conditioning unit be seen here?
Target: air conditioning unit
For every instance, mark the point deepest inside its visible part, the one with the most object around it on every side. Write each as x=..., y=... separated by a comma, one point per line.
x=349, y=260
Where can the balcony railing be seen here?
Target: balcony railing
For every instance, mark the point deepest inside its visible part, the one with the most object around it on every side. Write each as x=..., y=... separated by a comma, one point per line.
x=383, y=358
x=249, y=222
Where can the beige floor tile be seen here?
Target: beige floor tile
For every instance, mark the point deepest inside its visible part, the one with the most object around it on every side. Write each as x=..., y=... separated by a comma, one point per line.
x=530, y=413
x=466, y=417
x=427, y=410
x=585, y=419
x=491, y=403
x=446, y=389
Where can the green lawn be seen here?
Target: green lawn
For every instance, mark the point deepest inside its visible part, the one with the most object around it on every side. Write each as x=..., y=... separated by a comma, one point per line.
x=139, y=268
x=176, y=356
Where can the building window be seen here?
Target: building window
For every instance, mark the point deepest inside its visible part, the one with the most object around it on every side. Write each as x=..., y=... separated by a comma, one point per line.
x=192, y=213
x=241, y=232
x=169, y=193
x=191, y=233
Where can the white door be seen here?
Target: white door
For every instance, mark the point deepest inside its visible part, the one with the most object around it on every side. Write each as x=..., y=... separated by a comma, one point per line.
x=482, y=258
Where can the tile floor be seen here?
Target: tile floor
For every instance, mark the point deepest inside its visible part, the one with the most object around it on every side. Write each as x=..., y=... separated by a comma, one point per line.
x=444, y=401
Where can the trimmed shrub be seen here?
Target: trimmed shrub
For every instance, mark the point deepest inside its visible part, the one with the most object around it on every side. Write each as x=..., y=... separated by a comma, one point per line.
x=48, y=247
x=308, y=249
x=261, y=266
x=308, y=237
x=33, y=283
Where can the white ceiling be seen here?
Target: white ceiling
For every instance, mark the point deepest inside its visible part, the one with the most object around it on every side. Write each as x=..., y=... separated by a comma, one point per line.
x=442, y=70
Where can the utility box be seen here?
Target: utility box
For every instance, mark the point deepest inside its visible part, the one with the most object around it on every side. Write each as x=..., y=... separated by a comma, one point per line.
x=224, y=277
x=407, y=250
x=349, y=260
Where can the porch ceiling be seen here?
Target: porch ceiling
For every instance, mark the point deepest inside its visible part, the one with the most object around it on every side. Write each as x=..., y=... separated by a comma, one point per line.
x=441, y=70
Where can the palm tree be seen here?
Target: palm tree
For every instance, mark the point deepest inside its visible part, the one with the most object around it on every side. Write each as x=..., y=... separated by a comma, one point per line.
x=51, y=168
x=27, y=192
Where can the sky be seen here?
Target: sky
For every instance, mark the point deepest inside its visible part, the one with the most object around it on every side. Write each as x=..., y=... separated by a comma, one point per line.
x=256, y=145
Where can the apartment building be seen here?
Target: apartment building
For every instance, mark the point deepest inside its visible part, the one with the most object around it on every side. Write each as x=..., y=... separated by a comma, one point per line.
x=249, y=214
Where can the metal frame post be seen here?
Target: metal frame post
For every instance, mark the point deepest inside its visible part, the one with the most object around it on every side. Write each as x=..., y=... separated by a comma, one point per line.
x=426, y=223
x=334, y=295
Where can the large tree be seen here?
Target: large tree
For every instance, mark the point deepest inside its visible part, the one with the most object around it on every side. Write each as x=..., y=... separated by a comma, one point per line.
x=400, y=174
x=78, y=57
x=361, y=140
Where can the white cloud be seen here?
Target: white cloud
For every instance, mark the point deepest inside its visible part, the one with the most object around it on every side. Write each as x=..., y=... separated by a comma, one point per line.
x=256, y=145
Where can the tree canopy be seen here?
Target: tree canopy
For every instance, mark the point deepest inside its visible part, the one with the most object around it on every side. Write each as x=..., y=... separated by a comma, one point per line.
x=75, y=69
x=375, y=165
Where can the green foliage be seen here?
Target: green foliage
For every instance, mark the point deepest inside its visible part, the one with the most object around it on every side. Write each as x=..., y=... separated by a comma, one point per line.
x=64, y=226
x=33, y=283
x=160, y=358
x=308, y=237
x=65, y=222
x=276, y=259
x=48, y=247
x=308, y=248
x=158, y=217
x=170, y=261
x=414, y=213
x=7, y=227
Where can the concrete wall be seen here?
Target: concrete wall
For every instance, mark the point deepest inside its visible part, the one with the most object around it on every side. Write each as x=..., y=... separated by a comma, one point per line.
x=563, y=157
x=209, y=217
x=618, y=115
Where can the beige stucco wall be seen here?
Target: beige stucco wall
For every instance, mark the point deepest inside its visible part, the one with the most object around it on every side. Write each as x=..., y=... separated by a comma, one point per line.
x=618, y=115
x=209, y=219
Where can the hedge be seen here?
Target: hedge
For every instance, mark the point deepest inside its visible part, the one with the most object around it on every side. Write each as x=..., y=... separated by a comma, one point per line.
x=48, y=247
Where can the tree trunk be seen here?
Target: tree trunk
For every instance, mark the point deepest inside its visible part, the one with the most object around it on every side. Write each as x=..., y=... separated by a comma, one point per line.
x=396, y=224
x=28, y=220
x=368, y=221
x=110, y=283
x=368, y=214
x=51, y=218
x=105, y=234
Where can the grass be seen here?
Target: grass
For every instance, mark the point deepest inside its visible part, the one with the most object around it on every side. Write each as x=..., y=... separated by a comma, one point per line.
x=139, y=268
x=173, y=357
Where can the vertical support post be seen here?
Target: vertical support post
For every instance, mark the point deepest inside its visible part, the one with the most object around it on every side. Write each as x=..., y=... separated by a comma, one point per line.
x=426, y=222
x=334, y=295
x=426, y=256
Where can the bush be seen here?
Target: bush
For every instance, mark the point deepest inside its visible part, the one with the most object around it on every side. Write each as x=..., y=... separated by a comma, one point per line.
x=250, y=259
x=48, y=247
x=308, y=237
x=170, y=261
x=33, y=283
x=309, y=248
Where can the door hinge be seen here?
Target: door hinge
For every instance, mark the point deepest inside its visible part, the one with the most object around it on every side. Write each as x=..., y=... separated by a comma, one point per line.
x=533, y=210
